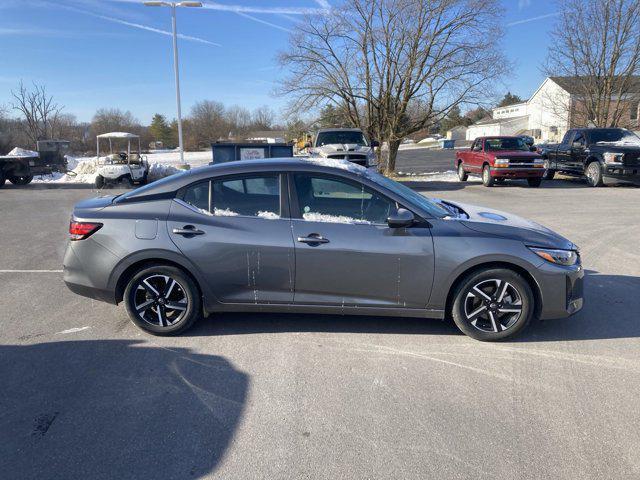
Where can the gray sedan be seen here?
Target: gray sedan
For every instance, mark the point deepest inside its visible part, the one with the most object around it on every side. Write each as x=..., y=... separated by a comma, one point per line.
x=315, y=237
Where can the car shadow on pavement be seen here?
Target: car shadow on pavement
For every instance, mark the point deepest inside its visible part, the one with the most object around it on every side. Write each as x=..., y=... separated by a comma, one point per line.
x=115, y=409
x=249, y=323
x=611, y=306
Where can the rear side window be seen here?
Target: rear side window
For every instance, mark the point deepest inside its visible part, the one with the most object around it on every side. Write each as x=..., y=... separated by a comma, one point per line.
x=197, y=195
x=252, y=196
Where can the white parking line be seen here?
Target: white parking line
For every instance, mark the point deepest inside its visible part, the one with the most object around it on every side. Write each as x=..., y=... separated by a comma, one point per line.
x=72, y=330
x=30, y=271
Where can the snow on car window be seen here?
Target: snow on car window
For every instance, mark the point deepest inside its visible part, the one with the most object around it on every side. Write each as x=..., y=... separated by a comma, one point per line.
x=224, y=212
x=322, y=217
x=336, y=163
x=268, y=215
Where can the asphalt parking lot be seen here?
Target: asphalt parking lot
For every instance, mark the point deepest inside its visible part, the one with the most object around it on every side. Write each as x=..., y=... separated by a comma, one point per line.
x=84, y=394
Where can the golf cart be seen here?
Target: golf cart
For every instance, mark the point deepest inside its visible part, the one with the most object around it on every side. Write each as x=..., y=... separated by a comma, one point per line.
x=130, y=166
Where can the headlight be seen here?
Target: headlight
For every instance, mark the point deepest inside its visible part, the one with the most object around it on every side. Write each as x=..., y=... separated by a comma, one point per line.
x=557, y=256
x=501, y=162
x=613, y=158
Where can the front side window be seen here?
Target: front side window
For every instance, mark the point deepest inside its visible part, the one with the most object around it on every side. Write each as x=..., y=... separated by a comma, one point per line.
x=252, y=196
x=329, y=199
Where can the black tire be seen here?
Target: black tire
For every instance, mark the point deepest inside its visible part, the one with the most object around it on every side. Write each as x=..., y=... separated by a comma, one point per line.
x=462, y=175
x=479, y=312
x=549, y=173
x=21, y=179
x=99, y=181
x=149, y=288
x=534, y=182
x=593, y=173
x=499, y=180
x=487, y=179
x=3, y=178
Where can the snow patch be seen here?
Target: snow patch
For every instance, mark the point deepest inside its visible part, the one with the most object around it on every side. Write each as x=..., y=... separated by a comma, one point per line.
x=268, y=215
x=21, y=152
x=321, y=217
x=448, y=176
x=224, y=212
x=337, y=163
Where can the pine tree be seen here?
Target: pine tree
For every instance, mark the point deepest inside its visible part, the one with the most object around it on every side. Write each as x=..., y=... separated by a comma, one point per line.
x=160, y=130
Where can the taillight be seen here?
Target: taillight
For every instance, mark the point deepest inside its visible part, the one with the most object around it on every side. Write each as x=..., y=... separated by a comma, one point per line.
x=82, y=230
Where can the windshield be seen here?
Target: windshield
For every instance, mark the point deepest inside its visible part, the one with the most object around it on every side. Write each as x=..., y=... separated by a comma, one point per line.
x=613, y=135
x=507, y=143
x=341, y=137
x=414, y=197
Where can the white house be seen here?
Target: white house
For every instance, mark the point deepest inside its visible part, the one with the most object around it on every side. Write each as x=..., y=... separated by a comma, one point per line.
x=545, y=116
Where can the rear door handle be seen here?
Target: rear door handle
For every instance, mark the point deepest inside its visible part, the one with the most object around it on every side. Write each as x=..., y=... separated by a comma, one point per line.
x=187, y=230
x=313, y=238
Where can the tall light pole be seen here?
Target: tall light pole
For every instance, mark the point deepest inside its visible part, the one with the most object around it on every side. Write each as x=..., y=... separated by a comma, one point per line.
x=173, y=6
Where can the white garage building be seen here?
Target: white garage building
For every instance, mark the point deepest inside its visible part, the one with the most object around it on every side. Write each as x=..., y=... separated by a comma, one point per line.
x=545, y=116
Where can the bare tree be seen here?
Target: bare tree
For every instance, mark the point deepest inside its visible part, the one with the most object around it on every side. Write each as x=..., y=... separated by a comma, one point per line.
x=596, y=46
x=239, y=119
x=206, y=123
x=395, y=66
x=40, y=113
x=262, y=118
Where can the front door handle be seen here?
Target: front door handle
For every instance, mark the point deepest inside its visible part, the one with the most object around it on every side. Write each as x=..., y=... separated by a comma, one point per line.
x=313, y=238
x=187, y=230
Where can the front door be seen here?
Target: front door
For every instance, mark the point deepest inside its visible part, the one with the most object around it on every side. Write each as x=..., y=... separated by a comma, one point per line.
x=233, y=231
x=346, y=255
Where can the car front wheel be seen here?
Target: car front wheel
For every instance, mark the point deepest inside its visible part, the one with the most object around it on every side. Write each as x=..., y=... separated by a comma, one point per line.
x=493, y=304
x=594, y=174
x=487, y=179
x=162, y=300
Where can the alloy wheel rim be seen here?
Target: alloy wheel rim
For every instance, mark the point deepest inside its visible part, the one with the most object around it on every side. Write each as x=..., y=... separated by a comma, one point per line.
x=460, y=171
x=485, y=174
x=493, y=306
x=592, y=172
x=160, y=300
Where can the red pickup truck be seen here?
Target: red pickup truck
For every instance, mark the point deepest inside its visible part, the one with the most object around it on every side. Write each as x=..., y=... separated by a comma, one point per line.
x=498, y=158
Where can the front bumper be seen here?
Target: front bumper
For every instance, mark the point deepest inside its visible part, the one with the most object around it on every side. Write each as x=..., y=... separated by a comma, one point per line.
x=517, y=172
x=561, y=289
x=625, y=173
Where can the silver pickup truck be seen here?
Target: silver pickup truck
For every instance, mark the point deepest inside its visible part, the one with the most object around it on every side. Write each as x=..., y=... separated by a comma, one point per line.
x=344, y=144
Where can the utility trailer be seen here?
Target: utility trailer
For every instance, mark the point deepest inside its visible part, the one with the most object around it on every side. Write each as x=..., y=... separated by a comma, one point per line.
x=20, y=166
x=230, y=152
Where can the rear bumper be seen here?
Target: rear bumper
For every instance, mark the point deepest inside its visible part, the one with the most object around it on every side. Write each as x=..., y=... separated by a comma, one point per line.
x=87, y=278
x=562, y=290
x=516, y=172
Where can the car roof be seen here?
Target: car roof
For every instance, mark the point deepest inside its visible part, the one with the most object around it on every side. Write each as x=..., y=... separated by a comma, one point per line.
x=339, y=130
x=175, y=182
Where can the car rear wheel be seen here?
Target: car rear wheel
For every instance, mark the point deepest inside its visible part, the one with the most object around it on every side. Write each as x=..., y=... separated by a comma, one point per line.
x=493, y=304
x=162, y=300
x=487, y=179
x=462, y=175
x=534, y=182
x=594, y=174
x=21, y=179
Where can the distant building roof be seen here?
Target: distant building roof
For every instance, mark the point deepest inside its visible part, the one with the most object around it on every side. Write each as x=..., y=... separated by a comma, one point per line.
x=499, y=121
x=572, y=84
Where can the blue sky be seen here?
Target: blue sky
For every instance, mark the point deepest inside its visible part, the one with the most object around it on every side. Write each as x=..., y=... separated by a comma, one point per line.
x=112, y=53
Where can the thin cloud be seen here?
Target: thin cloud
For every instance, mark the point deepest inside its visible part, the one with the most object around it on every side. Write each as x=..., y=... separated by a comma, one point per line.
x=264, y=22
x=140, y=26
x=324, y=4
x=533, y=19
x=251, y=9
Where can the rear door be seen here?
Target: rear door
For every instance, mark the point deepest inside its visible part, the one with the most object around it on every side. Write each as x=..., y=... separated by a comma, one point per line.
x=346, y=255
x=236, y=231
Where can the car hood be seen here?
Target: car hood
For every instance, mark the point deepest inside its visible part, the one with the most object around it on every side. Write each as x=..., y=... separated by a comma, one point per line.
x=506, y=225
x=514, y=153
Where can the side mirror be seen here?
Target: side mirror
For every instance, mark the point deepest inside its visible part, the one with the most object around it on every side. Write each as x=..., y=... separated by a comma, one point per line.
x=375, y=143
x=400, y=219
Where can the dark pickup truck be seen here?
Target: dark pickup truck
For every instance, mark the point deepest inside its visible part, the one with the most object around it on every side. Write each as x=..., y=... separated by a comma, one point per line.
x=597, y=153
